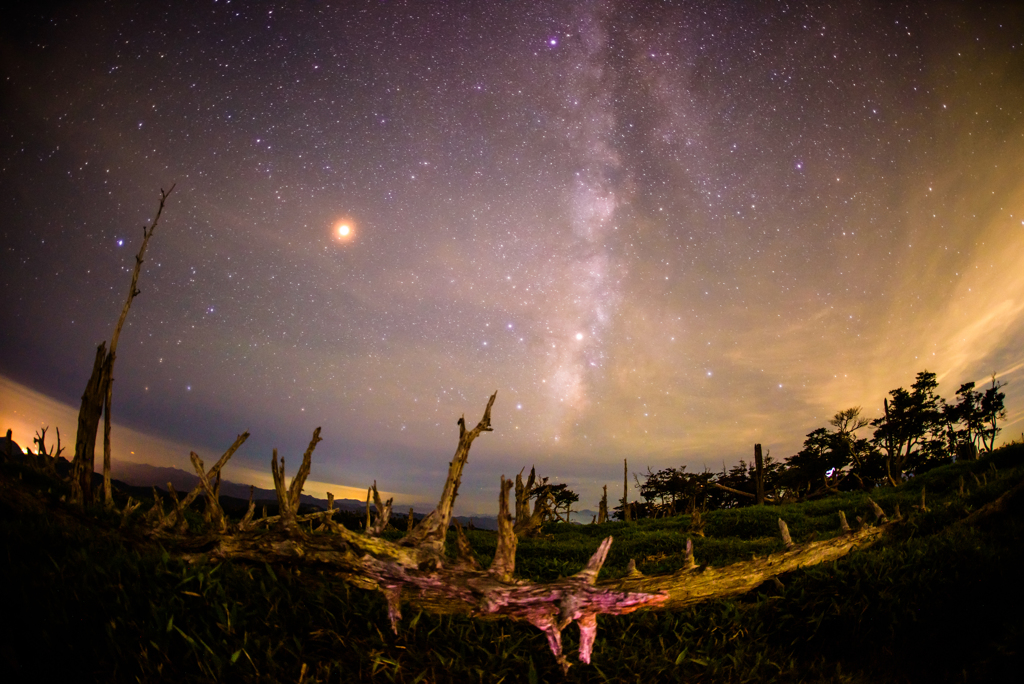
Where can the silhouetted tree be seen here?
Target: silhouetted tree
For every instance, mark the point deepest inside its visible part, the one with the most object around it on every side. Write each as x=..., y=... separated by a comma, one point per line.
x=564, y=498
x=964, y=422
x=909, y=434
x=993, y=410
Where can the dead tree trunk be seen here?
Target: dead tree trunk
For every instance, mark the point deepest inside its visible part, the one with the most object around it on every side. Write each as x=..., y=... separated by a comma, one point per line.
x=84, y=463
x=625, y=491
x=132, y=293
x=602, y=510
x=758, y=475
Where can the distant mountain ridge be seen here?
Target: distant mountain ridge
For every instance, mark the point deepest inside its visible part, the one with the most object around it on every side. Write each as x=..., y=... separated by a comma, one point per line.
x=145, y=475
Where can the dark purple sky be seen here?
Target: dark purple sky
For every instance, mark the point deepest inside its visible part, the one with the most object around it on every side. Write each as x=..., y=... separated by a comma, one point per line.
x=661, y=232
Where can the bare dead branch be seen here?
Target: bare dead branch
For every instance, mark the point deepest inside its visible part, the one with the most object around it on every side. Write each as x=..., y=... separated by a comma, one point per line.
x=179, y=521
x=214, y=514
x=739, y=492
x=464, y=553
x=843, y=525
x=877, y=510
x=129, y=508
x=204, y=482
x=383, y=513
x=432, y=529
x=246, y=523
x=288, y=500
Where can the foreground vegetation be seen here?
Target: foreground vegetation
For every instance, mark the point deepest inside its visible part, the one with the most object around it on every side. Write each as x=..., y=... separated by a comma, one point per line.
x=937, y=600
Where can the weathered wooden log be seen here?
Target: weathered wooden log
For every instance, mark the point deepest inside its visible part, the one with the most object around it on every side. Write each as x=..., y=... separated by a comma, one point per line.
x=740, y=492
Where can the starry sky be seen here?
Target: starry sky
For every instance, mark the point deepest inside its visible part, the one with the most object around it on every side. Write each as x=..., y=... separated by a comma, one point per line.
x=661, y=231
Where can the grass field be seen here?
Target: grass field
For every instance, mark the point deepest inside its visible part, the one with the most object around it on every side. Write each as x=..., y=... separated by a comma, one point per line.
x=937, y=600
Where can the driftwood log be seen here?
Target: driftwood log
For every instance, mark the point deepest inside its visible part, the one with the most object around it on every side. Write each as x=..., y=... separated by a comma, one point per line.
x=415, y=572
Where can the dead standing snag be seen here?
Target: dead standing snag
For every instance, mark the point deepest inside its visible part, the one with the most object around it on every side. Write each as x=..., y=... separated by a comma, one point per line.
x=99, y=391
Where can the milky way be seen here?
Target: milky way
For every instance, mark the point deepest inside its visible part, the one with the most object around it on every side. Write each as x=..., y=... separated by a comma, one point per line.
x=662, y=233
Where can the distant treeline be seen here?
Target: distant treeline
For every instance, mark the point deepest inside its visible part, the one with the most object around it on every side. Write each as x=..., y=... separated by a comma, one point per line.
x=918, y=430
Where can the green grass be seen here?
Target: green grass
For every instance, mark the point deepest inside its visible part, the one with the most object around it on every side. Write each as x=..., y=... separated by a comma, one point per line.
x=936, y=601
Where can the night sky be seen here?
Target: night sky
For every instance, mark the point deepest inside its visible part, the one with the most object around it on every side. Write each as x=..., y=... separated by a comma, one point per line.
x=661, y=231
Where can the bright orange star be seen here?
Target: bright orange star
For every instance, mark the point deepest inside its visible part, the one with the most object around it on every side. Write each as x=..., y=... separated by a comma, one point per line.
x=344, y=230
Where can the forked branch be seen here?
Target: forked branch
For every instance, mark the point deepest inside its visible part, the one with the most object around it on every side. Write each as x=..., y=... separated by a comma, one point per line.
x=382, y=513
x=430, y=533
x=288, y=500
